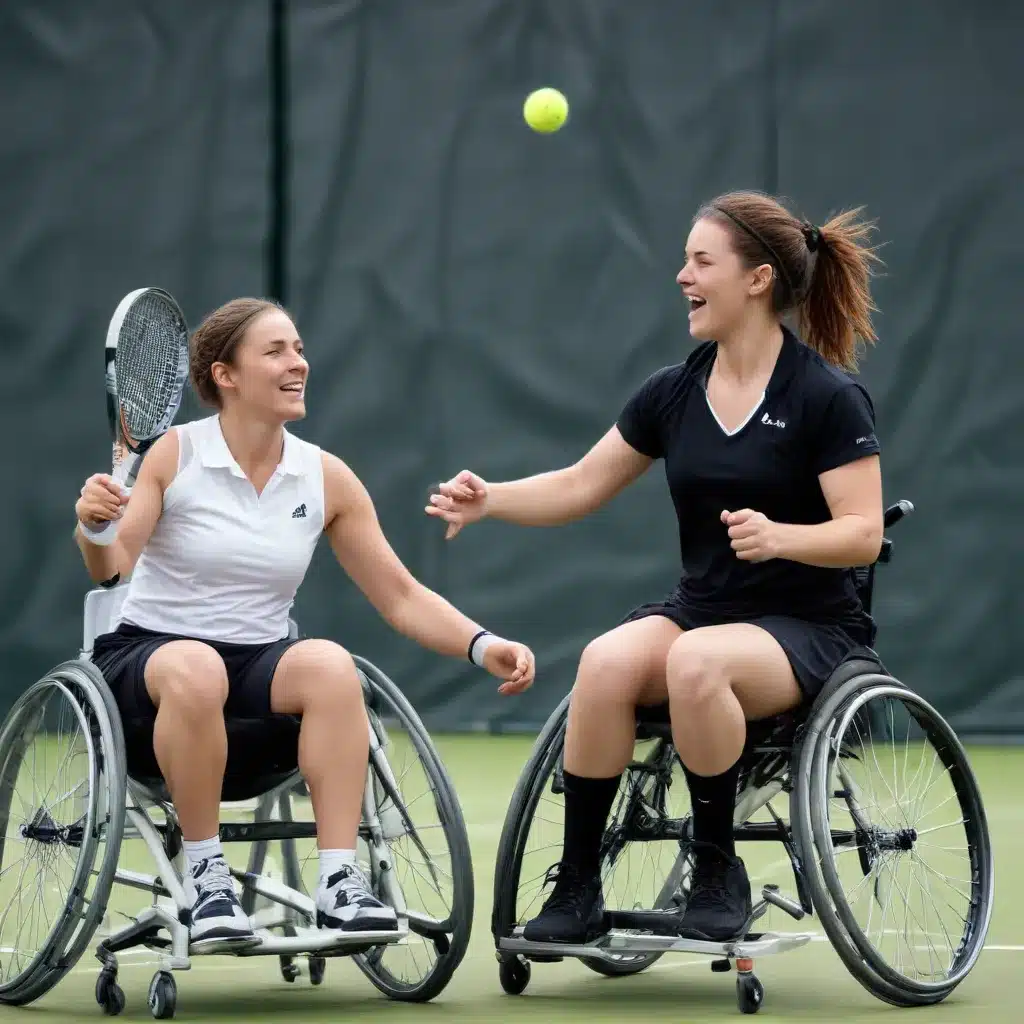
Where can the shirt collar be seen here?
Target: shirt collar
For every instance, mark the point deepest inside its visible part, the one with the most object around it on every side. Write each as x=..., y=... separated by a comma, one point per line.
x=785, y=364
x=215, y=453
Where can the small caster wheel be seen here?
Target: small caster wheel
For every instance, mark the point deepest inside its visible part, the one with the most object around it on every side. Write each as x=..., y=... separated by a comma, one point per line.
x=109, y=994
x=163, y=995
x=514, y=975
x=749, y=993
x=289, y=969
x=317, y=967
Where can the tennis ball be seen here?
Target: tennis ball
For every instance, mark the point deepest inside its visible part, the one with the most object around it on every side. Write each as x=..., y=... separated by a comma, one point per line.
x=545, y=110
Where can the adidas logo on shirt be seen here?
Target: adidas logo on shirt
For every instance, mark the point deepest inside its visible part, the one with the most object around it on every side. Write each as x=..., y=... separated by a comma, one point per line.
x=300, y=512
x=768, y=421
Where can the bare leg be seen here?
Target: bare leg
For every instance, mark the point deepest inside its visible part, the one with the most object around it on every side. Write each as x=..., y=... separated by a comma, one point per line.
x=718, y=677
x=317, y=679
x=619, y=670
x=187, y=682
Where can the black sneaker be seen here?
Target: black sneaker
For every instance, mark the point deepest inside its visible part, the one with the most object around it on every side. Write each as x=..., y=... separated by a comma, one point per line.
x=719, y=902
x=574, y=912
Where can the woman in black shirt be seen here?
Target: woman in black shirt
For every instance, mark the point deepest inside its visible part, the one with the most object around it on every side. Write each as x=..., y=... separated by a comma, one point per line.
x=772, y=464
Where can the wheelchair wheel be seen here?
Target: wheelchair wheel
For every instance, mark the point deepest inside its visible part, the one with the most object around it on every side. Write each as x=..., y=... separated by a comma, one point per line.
x=62, y=807
x=421, y=821
x=639, y=868
x=895, y=841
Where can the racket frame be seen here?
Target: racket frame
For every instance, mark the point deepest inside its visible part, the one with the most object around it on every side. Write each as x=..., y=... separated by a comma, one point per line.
x=128, y=452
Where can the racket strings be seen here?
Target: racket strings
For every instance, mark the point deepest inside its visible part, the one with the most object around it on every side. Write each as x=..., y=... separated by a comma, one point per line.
x=152, y=362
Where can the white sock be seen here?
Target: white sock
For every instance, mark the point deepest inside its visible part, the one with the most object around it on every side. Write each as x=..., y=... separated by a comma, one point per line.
x=332, y=861
x=196, y=852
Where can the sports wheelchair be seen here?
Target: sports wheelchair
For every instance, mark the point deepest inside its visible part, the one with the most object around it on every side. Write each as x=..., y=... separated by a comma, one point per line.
x=886, y=836
x=82, y=809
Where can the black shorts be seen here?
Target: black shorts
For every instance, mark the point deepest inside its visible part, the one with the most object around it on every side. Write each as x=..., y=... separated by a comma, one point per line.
x=122, y=655
x=814, y=649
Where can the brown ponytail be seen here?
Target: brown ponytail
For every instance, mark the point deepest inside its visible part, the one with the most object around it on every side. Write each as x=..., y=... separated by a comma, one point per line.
x=836, y=309
x=822, y=274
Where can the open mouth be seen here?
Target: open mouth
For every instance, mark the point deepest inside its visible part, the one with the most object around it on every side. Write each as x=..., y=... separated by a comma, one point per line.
x=696, y=302
x=294, y=388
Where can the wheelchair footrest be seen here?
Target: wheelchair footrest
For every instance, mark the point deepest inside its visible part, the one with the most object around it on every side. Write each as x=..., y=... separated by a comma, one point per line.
x=657, y=922
x=324, y=942
x=613, y=944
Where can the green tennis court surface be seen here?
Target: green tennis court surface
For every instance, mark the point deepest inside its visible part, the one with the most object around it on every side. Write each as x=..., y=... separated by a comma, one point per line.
x=809, y=984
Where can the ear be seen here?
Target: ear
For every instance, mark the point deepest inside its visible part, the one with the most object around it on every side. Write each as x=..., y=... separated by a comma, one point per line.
x=221, y=374
x=761, y=280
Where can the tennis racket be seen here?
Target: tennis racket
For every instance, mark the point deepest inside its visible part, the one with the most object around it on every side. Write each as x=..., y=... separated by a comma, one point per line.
x=146, y=362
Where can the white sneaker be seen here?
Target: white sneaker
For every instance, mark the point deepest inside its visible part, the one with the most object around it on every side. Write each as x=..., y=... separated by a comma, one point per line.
x=346, y=903
x=216, y=915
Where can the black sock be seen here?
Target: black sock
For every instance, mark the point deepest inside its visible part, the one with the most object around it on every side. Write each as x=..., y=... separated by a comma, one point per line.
x=714, y=802
x=587, y=804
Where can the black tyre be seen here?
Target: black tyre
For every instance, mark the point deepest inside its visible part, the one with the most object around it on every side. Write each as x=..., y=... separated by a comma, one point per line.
x=62, y=808
x=875, y=758
x=641, y=865
x=426, y=834
x=514, y=975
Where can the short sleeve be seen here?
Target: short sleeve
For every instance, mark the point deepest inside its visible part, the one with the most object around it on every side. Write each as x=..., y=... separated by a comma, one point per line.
x=639, y=422
x=847, y=430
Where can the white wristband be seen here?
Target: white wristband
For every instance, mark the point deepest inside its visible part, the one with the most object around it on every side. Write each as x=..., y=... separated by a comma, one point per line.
x=103, y=537
x=479, y=646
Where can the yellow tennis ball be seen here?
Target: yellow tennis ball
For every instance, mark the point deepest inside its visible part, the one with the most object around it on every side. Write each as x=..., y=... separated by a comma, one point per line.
x=545, y=110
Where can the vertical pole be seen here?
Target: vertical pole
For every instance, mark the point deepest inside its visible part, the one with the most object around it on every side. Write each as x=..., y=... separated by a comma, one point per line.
x=771, y=94
x=277, y=234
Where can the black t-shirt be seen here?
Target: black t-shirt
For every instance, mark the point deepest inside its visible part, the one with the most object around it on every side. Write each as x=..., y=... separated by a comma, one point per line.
x=813, y=418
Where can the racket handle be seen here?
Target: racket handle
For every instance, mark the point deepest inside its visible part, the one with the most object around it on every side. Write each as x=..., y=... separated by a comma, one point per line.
x=102, y=537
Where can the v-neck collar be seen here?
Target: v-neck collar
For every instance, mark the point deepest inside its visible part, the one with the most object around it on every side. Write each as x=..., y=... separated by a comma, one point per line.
x=782, y=371
x=735, y=430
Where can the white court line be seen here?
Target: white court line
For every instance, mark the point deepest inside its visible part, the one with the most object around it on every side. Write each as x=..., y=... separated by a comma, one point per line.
x=681, y=964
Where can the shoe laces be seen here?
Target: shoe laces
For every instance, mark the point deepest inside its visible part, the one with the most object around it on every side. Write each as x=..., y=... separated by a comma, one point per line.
x=708, y=883
x=212, y=875
x=570, y=888
x=349, y=880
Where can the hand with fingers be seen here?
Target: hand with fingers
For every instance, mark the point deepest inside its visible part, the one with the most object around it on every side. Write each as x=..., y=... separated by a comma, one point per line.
x=102, y=500
x=511, y=661
x=753, y=536
x=459, y=502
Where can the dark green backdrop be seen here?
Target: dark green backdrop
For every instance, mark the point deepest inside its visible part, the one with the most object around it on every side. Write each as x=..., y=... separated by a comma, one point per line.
x=475, y=295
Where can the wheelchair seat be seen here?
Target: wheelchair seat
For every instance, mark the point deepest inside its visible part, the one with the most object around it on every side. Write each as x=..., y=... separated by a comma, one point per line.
x=263, y=753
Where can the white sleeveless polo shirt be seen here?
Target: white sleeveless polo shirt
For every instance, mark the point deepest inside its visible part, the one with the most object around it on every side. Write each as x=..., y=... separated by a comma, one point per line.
x=225, y=563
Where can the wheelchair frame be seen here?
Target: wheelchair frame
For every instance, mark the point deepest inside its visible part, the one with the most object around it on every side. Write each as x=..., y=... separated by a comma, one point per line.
x=789, y=754
x=118, y=810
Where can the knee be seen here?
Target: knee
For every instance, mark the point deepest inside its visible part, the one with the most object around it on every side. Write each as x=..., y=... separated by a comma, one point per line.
x=190, y=676
x=325, y=673
x=693, y=675
x=606, y=673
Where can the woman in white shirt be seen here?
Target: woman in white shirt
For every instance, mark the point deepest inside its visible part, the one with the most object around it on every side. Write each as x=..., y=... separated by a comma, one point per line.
x=216, y=537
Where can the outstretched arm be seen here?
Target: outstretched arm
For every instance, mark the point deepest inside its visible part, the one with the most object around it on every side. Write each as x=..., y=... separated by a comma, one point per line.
x=547, y=499
x=403, y=602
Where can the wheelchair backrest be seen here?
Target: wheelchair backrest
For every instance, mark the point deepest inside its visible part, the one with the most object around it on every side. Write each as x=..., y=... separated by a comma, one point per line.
x=864, y=575
x=103, y=607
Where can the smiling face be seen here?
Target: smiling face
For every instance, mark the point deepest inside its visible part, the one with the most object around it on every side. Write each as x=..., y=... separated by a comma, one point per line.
x=720, y=290
x=267, y=372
